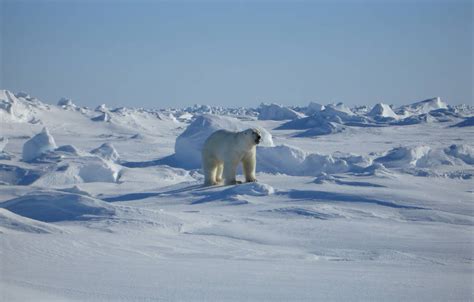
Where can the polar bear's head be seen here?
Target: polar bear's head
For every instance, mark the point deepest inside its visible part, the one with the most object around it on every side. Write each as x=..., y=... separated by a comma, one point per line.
x=253, y=136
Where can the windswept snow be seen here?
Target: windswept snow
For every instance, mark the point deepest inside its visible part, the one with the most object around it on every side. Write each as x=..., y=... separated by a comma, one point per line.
x=12, y=222
x=345, y=197
x=53, y=206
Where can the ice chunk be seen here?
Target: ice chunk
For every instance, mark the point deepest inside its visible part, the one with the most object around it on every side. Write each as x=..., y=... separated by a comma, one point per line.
x=107, y=151
x=38, y=144
x=382, y=111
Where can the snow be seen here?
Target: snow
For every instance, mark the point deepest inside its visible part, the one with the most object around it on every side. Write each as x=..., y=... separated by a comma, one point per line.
x=104, y=117
x=80, y=169
x=107, y=151
x=468, y=122
x=277, y=112
x=422, y=107
x=379, y=211
x=66, y=103
x=382, y=110
x=53, y=206
x=463, y=152
x=313, y=108
x=38, y=145
x=12, y=222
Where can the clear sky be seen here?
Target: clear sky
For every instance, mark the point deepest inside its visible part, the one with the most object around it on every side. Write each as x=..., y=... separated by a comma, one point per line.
x=178, y=53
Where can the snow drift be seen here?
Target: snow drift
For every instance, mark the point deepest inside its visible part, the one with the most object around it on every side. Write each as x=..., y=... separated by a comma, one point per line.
x=14, y=222
x=82, y=169
x=426, y=157
x=52, y=206
x=294, y=161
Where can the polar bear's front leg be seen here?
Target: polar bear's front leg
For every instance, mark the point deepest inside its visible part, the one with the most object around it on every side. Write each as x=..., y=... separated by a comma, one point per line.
x=230, y=169
x=249, y=164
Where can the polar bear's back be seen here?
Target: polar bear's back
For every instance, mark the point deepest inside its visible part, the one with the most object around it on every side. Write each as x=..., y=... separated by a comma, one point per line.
x=219, y=144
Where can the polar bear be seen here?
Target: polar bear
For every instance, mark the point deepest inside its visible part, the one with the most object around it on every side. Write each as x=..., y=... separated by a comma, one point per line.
x=223, y=151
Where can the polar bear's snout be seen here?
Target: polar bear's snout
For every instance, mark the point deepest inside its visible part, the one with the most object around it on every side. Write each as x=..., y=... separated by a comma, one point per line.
x=258, y=139
x=257, y=135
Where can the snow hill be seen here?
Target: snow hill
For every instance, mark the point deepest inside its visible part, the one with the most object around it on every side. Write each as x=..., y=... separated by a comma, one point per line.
x=363, y=203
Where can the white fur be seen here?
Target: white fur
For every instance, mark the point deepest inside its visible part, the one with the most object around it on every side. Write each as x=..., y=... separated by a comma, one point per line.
x=224, y=150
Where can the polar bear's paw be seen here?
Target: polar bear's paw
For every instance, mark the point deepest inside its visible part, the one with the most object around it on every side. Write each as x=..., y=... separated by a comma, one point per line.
x=233, y=182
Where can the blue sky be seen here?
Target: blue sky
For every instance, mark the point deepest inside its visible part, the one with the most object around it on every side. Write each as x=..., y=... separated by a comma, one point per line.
x=228, y=53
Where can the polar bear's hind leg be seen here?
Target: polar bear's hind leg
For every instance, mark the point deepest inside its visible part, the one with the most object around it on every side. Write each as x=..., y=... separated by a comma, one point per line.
x=209, y=168
x=219, y=171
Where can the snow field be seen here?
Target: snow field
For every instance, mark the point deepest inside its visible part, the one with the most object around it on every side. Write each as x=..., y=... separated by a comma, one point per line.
x=350, y=204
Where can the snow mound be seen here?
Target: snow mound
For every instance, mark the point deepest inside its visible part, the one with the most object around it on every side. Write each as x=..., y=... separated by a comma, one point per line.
x=294, y=161
x=69, y=149
x=252, y=189
x=76, y=170
x=422, y=107
x=189, y=144
x=51, y=206
x=403, y=156
x=339, y=109
x=12, y=221
x=414, y=120
x=325, y=128
x=38, y=145
x=339, y=114
x=382, y=111
x=107, y=151
x=313, y=108
x=316, y=120
x=97, y=171
x=14, y=175
x=463, y=152
x=277, y=112
x=417, y=156
x=468, y=122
